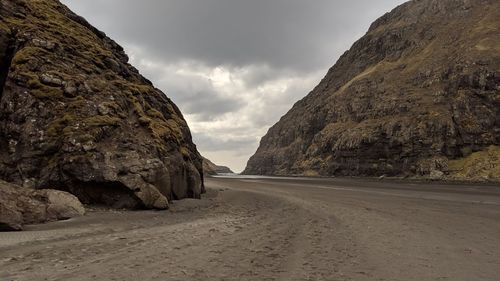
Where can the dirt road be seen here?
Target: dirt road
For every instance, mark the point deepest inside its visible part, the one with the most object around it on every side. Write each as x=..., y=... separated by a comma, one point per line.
x=275, y=229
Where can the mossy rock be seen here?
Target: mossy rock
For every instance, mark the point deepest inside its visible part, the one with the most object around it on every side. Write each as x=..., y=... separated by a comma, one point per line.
x=80, y=118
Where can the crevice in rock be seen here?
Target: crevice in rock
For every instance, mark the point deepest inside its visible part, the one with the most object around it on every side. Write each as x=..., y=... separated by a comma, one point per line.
x=5, y=227
x=114, y=194
x=7, y=50
x=458, y=132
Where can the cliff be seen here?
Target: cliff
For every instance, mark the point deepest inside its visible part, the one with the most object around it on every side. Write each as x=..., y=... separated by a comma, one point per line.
x=418, y=95
x=76, y=116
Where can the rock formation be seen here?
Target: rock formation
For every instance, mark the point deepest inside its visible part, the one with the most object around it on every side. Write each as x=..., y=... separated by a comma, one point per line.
x=75, y=116
x=209, y=168
x=420, y=89
x=20, y=206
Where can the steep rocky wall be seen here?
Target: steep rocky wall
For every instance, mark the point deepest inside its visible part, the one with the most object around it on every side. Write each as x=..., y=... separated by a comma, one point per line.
x=74, y=115
x=422, y=87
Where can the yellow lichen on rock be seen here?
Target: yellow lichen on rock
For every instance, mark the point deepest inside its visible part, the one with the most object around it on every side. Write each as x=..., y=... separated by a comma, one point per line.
x=480, y=166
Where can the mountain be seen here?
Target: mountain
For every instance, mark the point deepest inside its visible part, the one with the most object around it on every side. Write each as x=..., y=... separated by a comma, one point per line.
x=76, y=116
x=418, y=95
x=209, y=168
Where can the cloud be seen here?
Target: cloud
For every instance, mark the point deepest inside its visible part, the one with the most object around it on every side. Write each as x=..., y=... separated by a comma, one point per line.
x=217, y=143
x=193, y=88
x=234, y=67
x=293, y=34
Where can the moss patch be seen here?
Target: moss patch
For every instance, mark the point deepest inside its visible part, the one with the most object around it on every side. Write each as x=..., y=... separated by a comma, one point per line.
x=102, y=121
x=26, y=54
x=481, y=165
x=57, y=126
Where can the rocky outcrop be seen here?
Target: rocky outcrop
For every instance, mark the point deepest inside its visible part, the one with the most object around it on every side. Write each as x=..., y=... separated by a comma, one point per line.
x=75, y=116
x=209, y=168
x=20, y=206
x=420, y=89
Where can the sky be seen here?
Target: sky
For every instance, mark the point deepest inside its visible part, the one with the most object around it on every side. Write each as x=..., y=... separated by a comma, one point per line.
x=233, y=67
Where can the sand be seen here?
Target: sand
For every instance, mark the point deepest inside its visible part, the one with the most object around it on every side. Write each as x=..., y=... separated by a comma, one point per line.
x=275, y=229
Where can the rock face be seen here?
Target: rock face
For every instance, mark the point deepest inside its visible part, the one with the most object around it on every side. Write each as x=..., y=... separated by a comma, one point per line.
x=421, y=88
x=75, y=116
x=20, y=206
x=209, y=168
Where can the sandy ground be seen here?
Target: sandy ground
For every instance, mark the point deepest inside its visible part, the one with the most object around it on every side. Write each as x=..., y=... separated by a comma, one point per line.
x=275, y=229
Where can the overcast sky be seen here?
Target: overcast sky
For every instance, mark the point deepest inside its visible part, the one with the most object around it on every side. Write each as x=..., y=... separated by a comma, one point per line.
x=233, y=67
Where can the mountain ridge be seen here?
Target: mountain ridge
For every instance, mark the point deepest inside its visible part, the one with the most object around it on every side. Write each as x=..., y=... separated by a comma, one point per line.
x=420, y=89
x=210, y=168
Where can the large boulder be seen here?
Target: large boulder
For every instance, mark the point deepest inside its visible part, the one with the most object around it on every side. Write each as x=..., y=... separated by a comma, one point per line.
x=76, y=116
x=20, y=206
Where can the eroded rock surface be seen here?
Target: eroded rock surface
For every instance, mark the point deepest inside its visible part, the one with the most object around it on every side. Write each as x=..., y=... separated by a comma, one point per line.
x=421, y=88
x=20, y=206
x=75, y=116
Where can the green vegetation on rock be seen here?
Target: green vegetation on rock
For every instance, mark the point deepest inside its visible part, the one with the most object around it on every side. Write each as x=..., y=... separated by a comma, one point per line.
x=481, y=165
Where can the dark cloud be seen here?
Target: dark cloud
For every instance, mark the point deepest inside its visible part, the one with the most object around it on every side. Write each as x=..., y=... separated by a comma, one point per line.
x=292, y=34
x=200, y=99
x=233, y=66
x=194, y=94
